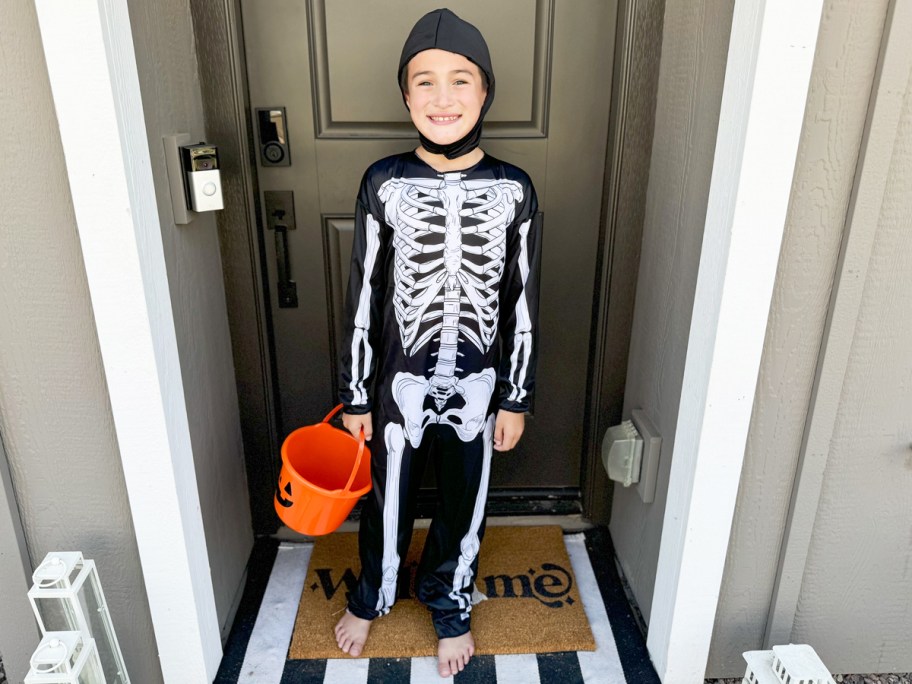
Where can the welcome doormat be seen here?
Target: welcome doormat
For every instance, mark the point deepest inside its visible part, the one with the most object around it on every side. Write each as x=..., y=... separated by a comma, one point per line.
x=532, y=606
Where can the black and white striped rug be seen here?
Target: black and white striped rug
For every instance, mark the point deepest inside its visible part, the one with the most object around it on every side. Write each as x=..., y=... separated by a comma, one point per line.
x=257, y=648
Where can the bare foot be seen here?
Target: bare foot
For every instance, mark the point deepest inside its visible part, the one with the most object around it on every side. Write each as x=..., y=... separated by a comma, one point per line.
x=453, y=654
x=351, y=633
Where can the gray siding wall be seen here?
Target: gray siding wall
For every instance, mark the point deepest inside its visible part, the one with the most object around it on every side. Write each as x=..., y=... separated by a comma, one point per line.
x=840, y=87
x=172, y=101
x=856, y=593
x=691, y=74
x=54, y=410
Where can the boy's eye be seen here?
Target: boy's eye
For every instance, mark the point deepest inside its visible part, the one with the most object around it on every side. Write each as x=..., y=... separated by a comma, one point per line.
x=460, y=82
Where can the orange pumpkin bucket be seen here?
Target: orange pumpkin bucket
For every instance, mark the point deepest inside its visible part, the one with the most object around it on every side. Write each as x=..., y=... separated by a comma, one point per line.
x=325, y=471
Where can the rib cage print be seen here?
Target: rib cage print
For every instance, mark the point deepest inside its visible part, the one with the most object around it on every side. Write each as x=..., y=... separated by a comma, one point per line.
x=449, y=241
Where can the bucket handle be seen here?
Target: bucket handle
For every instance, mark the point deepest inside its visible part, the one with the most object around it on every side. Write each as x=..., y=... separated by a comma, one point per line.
x=357, y=465
x=329, y=416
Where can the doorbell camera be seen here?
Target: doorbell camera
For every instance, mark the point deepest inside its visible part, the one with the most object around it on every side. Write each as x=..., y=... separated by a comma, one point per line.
x=202, y=180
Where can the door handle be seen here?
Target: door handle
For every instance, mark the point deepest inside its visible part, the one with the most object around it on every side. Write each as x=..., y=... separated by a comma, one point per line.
x=280, y=219
x=288, y=289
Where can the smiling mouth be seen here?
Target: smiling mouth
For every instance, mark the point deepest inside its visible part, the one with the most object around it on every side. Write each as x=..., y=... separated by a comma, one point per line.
x=444, y=120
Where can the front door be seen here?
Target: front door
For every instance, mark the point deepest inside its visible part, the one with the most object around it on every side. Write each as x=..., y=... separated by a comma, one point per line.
x=323, y=75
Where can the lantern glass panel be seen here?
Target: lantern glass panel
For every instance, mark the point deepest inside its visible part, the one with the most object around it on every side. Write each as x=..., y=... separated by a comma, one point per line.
x=57, y=614
x=101, y=629
x=92, y=672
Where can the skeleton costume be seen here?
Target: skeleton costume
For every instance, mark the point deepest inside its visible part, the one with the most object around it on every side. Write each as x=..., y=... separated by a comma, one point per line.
x=441, y=323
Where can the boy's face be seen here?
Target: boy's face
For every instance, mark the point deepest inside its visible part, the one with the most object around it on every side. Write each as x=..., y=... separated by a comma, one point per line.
x=445, y=94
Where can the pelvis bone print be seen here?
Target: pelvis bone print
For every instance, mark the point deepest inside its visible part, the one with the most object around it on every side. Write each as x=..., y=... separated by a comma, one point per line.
x=449, y=241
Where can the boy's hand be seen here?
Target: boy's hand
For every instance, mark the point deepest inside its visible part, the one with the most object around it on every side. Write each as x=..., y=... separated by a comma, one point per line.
x=508, y=428
x=354, y=424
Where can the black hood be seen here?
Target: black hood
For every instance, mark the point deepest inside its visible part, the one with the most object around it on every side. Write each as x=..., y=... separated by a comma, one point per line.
x=443, y=30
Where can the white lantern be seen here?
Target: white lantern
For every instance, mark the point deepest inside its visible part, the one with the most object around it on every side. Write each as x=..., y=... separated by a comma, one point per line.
x=66, y=596
x=787, y=664
x=65, y=658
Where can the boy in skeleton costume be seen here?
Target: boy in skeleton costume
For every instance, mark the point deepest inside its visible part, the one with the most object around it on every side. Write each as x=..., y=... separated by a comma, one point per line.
x=440, y=345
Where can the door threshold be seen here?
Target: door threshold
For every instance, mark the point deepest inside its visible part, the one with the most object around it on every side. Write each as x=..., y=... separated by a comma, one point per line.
x=568, y=523
x=540, y=506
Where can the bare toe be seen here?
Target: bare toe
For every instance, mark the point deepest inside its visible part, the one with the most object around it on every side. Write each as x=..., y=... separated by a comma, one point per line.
x=454, y=653
x=351, y=634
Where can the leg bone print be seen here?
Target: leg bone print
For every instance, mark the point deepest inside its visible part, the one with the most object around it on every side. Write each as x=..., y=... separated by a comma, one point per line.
x=426, y=265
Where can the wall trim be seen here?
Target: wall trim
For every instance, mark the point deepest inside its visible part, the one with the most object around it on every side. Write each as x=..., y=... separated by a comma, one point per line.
x=872, y=172
x=771, y=51
x=91, y=65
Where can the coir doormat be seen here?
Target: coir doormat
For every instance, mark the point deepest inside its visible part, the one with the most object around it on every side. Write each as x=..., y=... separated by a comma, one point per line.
x=532, y=606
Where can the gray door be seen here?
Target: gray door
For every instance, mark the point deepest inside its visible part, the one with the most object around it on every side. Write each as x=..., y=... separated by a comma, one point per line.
x=331, y=65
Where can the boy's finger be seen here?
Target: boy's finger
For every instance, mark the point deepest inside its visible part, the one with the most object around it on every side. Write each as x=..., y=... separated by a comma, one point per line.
x=512, y=440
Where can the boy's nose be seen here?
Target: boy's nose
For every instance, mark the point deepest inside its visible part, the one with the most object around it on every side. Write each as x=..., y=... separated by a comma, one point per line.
x=443, y=97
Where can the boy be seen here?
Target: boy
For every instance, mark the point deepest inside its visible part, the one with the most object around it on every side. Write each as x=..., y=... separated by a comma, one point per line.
x=441, y=318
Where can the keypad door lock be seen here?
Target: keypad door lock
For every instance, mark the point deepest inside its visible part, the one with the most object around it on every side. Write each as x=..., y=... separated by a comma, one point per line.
x=272, y=128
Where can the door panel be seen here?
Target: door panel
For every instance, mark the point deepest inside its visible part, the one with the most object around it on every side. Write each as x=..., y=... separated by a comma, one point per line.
x=332, y=64
x=351, y=61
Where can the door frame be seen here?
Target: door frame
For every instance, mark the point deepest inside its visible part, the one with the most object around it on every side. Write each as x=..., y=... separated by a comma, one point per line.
x=219, y=37
x=630, y=128
x=220, y=47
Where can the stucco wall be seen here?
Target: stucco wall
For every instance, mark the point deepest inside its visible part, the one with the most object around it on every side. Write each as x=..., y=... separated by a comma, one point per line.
x=166, y=60
x=54, y=410
x=840, y=86
x=691, y=74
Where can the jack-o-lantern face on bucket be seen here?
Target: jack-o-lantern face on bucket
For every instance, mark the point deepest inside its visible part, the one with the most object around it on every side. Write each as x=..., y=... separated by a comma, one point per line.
x=283, y=495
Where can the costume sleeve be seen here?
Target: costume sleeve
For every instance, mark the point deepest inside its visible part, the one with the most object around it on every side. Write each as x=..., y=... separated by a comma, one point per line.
x=363, y=304
x=519, y=294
